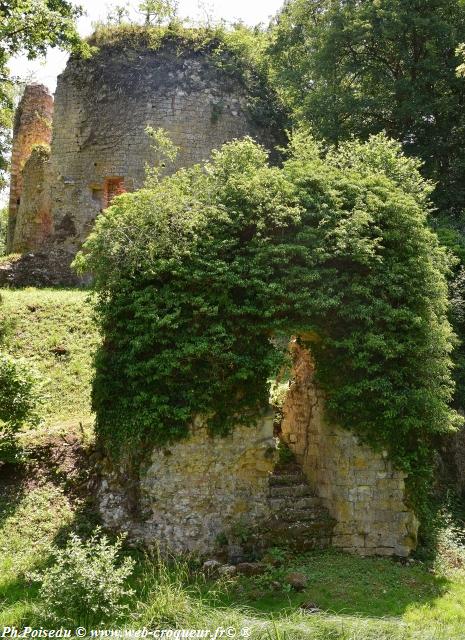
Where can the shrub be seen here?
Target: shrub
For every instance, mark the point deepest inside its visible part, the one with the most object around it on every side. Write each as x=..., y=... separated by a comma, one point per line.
x=182, y=321
x=378, y=296
x=19, y=401
x=450, y=557
x=199, y=276
x=86, y=581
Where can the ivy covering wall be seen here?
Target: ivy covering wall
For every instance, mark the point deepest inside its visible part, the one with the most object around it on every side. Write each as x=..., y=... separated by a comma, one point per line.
x=198, y=276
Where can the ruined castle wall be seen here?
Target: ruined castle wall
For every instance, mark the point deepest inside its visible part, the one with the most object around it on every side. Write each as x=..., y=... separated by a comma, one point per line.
x=102, y=108
x=358, y=486
x=32, y=126
x=195, y=489
x=33, y=219
x=191, y=491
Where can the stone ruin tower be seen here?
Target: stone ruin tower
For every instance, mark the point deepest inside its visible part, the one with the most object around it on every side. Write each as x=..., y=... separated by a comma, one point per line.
x=100, y=147
x=186, y=496
x=102, y=108
x=29, y=206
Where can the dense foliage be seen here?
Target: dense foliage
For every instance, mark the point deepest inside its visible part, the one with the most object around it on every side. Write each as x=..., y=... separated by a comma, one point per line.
x=18, y=403
x=30, y=26
x=358, y=68
x=86, y=576
x=6, y=122
x=158, y=11
x=182, y=273
x=198, y=276
x=353, y=69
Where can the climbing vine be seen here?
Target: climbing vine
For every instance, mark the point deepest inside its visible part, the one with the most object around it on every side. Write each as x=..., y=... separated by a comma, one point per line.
x=198, y=277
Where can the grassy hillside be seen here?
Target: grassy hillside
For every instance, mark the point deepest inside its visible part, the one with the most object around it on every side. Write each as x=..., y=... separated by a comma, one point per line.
x=54, y=331
x=46, y=498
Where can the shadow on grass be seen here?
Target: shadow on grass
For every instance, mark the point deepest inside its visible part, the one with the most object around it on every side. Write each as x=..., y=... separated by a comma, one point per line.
x=342, y=584
x=18, y=598
x=17, y=593
x=12, y=487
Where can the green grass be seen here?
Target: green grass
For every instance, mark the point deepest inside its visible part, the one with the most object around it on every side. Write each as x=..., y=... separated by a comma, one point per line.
x=30, y=518
x=54, y=331
x=40, y=503
x=352, y=585
x=359, y=599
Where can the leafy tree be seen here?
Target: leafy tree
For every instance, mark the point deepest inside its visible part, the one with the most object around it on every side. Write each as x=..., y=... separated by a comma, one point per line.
x=118, y=14
x=30, y=27
x=198, y=275
x=6, y=123
x=158, y=12
x=461, y=54
x=355, y=68
x=358, y=67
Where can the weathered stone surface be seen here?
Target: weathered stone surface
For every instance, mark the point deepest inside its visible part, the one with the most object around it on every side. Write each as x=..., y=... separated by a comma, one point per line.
x=251, y=568
x=227, y=570
x=299, y=520
x=100, y=146
x=359, y=487
x=32, y=126
x=211, y=567
x=310, y=607
x=236, y=553
x=450, y=462
x=33, y=218
x=201, y=487
x=297, y=580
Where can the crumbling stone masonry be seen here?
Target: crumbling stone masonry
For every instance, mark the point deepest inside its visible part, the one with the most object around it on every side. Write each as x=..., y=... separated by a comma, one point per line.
x=358, y=486
x=100, y=147
x=192, y=491
x=337, y=493
x=189, y=495
x=102, y=109
x=32, y=126
x=33, y=219
x=197, y=491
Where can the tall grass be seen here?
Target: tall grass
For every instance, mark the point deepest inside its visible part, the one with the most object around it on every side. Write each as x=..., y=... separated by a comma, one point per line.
x=173, y=595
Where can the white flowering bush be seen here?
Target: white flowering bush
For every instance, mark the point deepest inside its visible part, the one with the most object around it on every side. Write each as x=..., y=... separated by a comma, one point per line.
x=87, y=581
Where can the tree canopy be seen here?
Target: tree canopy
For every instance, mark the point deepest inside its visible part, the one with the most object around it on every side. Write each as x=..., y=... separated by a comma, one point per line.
x=356, y=68
x=30, y=26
